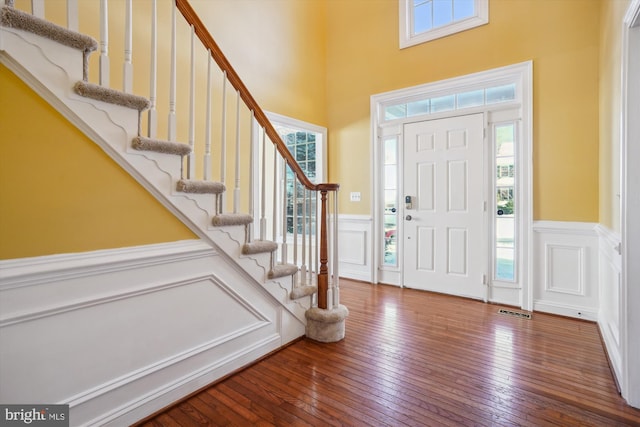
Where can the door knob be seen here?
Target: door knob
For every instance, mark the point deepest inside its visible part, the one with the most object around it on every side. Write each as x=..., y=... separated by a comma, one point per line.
x=408, y=218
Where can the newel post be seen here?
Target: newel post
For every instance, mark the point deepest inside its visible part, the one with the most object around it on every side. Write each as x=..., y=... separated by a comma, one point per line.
x=323, y=274
x=326, y=322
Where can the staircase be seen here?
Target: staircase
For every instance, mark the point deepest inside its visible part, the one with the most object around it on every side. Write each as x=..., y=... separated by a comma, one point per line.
x=270, y=194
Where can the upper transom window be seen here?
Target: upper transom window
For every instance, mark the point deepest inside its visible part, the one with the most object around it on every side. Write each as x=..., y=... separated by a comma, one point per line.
x=424, y=20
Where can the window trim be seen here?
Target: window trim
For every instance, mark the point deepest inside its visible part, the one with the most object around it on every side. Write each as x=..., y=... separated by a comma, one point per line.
x=321, y=158
x=522, y=75
x=321, y=152
x=408, y=39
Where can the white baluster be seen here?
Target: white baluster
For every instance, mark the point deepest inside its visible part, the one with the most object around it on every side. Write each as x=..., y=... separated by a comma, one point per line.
x=127, y=68
x=252, y=165
x=303, y=267
x=72, y=15
x=284, y=211
x=223, y=137
x=172, y=77
x=312, y=233
x=104, y=43
x=329, y=253
x=316, y=244
x=336, y=274
x=236, y=189
x=275, y=195
x=263, y=189
x=294, y=203
x=153, y=113
x=191, y=164
x=207, y=140
x=37, y=8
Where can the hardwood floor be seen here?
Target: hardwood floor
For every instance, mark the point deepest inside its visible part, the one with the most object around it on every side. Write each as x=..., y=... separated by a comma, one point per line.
x=422, y=359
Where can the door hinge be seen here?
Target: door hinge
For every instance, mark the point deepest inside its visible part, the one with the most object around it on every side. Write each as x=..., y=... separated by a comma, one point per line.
x=484, y=279
x=484, y=206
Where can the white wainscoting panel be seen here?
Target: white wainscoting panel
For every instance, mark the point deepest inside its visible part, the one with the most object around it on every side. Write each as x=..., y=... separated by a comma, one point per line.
x=566, y=269
x=354, y=251
x=120, y=334
x=609, y=316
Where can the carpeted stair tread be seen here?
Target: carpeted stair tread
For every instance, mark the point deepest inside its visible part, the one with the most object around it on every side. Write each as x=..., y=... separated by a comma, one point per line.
x=259, y=247
x=200, y=187
x=231, y=219
x=159, y=146
x=282, y=270
x=303, y=291
x=14, y=18
x=112, y=96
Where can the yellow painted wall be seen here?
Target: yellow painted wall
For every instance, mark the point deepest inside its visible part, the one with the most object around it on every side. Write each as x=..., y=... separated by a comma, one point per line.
x=612, y=13
x=560, y=36
x=278, y=49
x=60, y=193
x=320, y=61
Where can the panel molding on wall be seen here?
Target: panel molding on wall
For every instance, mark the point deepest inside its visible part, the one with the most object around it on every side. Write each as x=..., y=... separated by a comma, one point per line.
x=566, y=269
x=123, y=333
x=609, y=315
x=354, y=251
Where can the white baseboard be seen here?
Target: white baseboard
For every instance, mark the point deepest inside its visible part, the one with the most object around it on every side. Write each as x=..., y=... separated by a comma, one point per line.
x=567, y=310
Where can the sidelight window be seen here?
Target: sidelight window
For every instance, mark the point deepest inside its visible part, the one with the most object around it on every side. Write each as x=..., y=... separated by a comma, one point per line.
x=505, y=208
x=390, y=179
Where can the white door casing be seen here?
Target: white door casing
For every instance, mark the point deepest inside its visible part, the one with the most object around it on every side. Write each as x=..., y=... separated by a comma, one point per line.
x=519, y=109
x=444, y=232
x=630, y=205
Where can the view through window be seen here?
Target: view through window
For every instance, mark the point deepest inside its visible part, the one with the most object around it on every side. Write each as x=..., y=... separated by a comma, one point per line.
x=424, y=20
x=505, y=202
x=305, y=145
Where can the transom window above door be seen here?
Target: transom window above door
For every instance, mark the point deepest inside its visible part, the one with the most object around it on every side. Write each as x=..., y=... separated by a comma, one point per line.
x=427, y=104
x=425, y=20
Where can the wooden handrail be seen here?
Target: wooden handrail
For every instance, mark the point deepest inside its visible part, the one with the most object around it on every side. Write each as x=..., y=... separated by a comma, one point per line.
x=207, y=40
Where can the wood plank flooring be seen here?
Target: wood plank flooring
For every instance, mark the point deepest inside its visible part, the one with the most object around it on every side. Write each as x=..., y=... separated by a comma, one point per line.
x=413, y=358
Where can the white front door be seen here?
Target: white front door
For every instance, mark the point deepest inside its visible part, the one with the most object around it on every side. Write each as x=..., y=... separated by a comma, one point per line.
x=444, y=215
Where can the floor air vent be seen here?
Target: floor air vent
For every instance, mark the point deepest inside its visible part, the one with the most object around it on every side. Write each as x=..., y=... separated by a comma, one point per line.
x=515, y=314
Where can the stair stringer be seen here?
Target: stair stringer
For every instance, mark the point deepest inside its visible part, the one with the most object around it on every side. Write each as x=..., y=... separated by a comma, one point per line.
x=51, y=70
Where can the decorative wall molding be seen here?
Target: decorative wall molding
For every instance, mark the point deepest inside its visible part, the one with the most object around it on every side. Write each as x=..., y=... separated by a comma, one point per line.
x=565, y=269
x=355, y=247
x=610, y=282
x=105, y=344
x=38, y=270
x=573, y=228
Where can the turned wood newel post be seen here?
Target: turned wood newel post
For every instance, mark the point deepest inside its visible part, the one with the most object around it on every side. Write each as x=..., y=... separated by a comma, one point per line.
x=323, y=275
